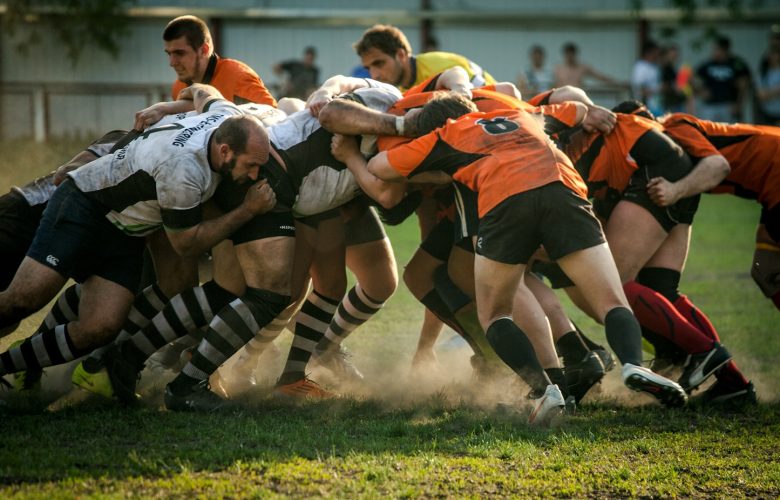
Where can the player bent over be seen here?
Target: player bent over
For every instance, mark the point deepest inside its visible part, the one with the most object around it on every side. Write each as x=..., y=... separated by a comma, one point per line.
x=528, y=194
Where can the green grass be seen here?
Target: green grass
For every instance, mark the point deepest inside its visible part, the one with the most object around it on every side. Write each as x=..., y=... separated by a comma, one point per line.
x=417, y=437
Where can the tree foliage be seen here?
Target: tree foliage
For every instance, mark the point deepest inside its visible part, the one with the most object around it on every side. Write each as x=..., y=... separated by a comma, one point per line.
x=76, y=23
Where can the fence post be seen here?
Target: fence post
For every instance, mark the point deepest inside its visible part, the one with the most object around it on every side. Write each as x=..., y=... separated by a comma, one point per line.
x=39, y=114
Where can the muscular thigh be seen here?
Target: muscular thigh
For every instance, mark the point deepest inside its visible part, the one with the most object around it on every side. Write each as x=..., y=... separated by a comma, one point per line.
x=267, y=263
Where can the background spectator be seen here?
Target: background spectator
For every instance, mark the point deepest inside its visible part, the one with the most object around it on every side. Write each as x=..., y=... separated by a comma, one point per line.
x=769, y=89
x=572, y=72
x=536, y=78
x=646, y=78
x=676, y=90
x=721, y=84
x=301, y=77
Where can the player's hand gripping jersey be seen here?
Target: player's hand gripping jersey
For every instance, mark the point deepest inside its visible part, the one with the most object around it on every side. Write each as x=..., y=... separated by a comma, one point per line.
x=320, y=181
x=605, y=161
x=753, y=152
x=160, y=178
x=496, y=154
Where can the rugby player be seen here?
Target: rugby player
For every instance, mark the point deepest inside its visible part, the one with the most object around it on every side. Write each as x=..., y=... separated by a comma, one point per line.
x=116, y=199
x=302, y=167
x=508, y=160
x=387, y=54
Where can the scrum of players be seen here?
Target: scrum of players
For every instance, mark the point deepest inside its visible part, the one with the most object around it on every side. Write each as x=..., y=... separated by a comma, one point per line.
x=285, y=196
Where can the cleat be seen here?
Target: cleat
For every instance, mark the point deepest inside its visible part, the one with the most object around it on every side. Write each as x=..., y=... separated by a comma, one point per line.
x=96, y=383
x=607, y=361
x=303, y=388
x=668, y=392
x=548, y=407
x=198, y=398
x=337, y=361
x=580, y=377
x=723, y=394
x=700, y=367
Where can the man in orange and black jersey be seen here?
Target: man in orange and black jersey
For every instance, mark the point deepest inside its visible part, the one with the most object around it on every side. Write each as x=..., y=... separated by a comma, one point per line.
x=442, y=291
x=191, y=54
x=649, y=242
x=753, y=172
x=528, y=194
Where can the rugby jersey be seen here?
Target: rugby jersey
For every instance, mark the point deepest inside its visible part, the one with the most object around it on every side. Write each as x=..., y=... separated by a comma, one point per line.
x=753, y=152
x=160, y=178
x=320, y=181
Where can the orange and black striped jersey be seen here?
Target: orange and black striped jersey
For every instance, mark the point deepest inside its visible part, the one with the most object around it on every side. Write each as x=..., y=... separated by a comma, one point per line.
x=497, y=154
x=605, y=161
x=753, y=152
x=236, y=81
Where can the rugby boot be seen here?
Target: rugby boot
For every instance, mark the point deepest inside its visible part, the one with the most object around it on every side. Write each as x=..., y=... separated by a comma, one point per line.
x=548, y=407
x=700, y=367
x=638, y=378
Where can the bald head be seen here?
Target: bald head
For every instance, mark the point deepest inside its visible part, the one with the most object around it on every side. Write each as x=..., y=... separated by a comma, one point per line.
x=243, y=146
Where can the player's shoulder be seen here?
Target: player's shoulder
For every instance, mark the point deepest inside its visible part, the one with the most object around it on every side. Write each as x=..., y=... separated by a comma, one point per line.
x=235, y=66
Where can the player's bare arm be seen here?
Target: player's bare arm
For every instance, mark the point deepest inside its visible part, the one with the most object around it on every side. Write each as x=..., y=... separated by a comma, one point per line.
x=346, y=150
x=200, y=94
x=342, y=116
x=332, y=87
x=192, y=242
x=154, y=113
x=707, y=174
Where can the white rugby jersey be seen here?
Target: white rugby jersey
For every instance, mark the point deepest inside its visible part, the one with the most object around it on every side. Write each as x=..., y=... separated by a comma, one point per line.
x=40, y=190
x=322, y=182
x=265, y=113
x=160, y=178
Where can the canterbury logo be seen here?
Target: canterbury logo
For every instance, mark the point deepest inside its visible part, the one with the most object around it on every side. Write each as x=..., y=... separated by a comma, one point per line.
x=479, y=242
x=54, y=261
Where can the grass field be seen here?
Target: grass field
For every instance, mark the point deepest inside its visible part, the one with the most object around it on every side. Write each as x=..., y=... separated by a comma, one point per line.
x=419, y=436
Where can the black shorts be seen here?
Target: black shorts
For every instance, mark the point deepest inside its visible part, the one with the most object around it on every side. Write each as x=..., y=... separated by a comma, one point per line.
x=313, y=221
x=77, y=240
x=770, y=218
x=277, y=222
x=658, y=156
x=551, y=215
x=466, y=222
x=363, y=227
x=18, y=223
x=553, y=272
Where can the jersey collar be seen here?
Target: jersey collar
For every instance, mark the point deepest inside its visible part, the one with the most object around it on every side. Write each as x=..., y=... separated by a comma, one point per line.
x=210, y=68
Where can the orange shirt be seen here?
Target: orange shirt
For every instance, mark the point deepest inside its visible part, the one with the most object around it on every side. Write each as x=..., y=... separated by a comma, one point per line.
x=557, y=117
x=236, y=81
x=605, y=160
x=753, y=152
x=497, y=154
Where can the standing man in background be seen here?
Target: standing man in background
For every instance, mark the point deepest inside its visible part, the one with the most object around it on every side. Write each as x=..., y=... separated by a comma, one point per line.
x=721, y=83
x=303, y=76
x=536, y=78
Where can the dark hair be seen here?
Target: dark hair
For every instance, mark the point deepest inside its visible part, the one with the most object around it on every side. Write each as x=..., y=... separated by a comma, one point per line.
x=442, y=106
x=570, y=47
x=310, y=50
x=632, y=107
x=723, y=43
x=383, y=37
x=235, y=132
x=192, y=28
x=649, y=46
x=536, y=48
